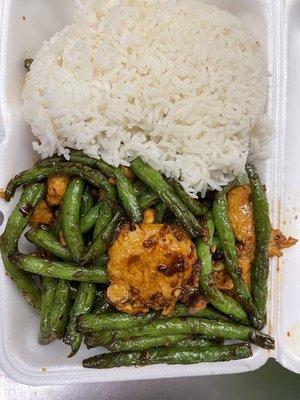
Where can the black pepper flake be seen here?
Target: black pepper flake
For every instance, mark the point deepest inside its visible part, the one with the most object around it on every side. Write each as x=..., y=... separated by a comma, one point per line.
x=26, y=210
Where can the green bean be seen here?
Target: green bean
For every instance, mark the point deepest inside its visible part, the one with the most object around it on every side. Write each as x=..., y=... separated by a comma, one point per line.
x=194, y=341
x=101, y=339
x=49, y=161
x=71, y=218
x=209, y=329
x=105, y=338
x=60, y=309
x=128, y=198
x=117, y=321
x=262, y=226
x=87, y=202
x=16, y=223
x=102, y=261
x=140, y=188
x=89, y=220
x=218, y=299
x=174, y=355
x=100, y=304
x=47, y=298
x=104, y=218
x=136, y=344
x=82, y=305
x=216, y=242
x=21, y=215
x=195, y=207
x=47, y=241
x=147, y=200
x=57, y=226
x=227, y=241
x=111, y=321
x=160, y=209
x=156, y=182
x=108, y=338
x=59, y=269
x=99, y=246
x=208, y=312
x=39, y=173
x=77, y=156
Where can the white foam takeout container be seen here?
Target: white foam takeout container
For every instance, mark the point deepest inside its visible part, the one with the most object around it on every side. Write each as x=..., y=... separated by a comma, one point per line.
x=24, y=26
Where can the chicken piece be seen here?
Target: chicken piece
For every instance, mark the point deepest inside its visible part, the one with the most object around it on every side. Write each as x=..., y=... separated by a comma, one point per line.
x=241, y=218
x=149, y=216
x=150, y=266
x=112, y=181
x=129, y=174
x=42, y=214
x=197, y=302
x=56, y=188
x=101, y=194
x=221, y=280
x=241, y=214
x=279, y=242
x=245, y=262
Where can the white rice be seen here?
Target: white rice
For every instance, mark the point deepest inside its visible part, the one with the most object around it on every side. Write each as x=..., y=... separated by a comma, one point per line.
x=179, y=83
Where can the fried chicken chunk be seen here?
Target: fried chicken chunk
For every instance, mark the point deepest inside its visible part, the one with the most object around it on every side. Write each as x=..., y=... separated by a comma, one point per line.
x=56, y=188
x=241, y=214
x=222, y=281
x=151, y=266
x=241, y=218
x=279, y=242
x=42, y=214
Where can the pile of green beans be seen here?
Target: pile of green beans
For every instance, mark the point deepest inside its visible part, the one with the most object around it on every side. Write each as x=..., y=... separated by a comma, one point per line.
x=70, y=294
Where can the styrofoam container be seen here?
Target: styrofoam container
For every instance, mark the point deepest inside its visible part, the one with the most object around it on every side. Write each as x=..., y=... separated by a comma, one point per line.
x=24, y=26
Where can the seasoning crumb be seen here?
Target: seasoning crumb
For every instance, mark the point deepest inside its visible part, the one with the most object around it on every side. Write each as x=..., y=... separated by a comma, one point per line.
x=44, y=369
x=288, y=333
x=24, y=18
x=2, y=194
x=27, y=63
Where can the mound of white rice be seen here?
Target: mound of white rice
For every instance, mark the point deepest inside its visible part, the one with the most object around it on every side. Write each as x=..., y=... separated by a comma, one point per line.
x=177, y=82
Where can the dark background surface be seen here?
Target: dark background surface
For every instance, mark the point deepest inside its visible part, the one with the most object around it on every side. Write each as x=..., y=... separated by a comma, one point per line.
x=271, y=381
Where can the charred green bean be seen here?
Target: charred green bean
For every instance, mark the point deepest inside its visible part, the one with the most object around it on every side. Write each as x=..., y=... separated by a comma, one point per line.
x=218, y=299
x=104, y=218
x=40, y=172
x=209, y=329
x=227, y=241
x=59, y=269
x=60, y=309
x=160, y=209
x=83, y=302
x=47, y=241
x=71, y=218
x=127, y=197
x=16, y=223
x=136, y=344
x=156, y=182
x=195, y=206
x=87, y=202
x=99, y=246
x=89, y=220
x=47, y=299
x=174, y=355
x=262, y=226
